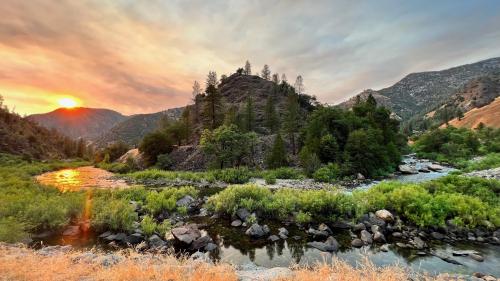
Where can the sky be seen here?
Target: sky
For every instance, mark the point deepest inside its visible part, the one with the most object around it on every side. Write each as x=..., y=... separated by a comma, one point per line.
x=143, y=56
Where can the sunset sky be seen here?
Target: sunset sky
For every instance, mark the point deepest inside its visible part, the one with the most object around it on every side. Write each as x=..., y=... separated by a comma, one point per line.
x=143, y=56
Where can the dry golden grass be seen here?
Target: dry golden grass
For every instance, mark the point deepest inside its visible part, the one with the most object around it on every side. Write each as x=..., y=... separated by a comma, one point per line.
x=489, y=115
x=17, y=263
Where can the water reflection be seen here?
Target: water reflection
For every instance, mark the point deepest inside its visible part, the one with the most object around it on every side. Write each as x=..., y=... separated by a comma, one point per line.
x=81, y=178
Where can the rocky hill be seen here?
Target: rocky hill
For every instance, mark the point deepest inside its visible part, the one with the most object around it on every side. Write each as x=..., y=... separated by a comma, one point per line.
x=80, y=122
x=132, y=130
x=22, y=136
x=420, y=93
x=489, y=115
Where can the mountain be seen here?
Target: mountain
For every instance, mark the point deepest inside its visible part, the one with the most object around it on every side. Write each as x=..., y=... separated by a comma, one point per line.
x=132, y=130
x=489, y=115
x=22, y=136
x=80, y=122
x=420, y=93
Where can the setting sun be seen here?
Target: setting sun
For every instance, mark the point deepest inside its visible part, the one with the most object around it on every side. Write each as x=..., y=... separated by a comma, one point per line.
x=68, y=102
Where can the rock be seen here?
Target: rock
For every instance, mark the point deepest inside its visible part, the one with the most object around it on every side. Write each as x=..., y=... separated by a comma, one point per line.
x=384, y=215
x=366, y=237
x=464, y=253
x=357, y=243
x=296, y=238
x=210, y=247
x=496, y=233
x=421, y=253
x=87, y=258
x=317, y=233
x=376, y=221
x=418, y=243
x=141, y=246
x=105, y=234
x=360, y=177
x=252, y=272
x=358, y=227
x=110, y=260
x=471, y=236
x=199, y=256
x=243, y=214
x=476, y=257
x=424, y=170
x=323, y=227
x=54, y=250
x=384, y=248
x=201, y=242
x=397, y=234
x=273, y=238
x=120, y=237
x=437, y=235
x=342, y=225
x=375, y=228
x=186, y=234
x=257, y=231
x=435, y=167
x=135, y=238
x=184, y=201
x=266, y=229
x=156, y=242
x=407, y=169
x=446, y=258
x=402, y=245
x=379, y=237
x=283, y=233
x=489, y=278
x=330, y=245
x=72, y=230
x=236, y=223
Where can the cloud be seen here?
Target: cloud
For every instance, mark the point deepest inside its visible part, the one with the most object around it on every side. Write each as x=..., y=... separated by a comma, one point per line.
x=143, y=56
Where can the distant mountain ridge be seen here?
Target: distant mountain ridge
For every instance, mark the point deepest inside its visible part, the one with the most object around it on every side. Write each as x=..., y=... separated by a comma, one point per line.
x=419, y=93
x=79, y=122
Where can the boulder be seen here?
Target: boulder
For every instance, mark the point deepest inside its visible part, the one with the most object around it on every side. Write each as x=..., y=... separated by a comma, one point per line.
x=156, y=242
x=384, y=248
x=236, y=223
x=378, y=237
x=135, y=155
x=186, y=234
x=358, y=227
x=184, y=201
x=120, y=237
x=366, y=237
x=257, y=231
x=418, y=243
x=437, y=235
x=407, y=169
x=283, y=233
x=397, y=234
x=330, y=245
x=476, y=257
x=210, y=247
x=135, y=238
x=201, y=242
x=435, y=167
x=273, y=238
x=243, y=214
x=357, y=243
x=360, y=177
x=424, y=170
x=324, y=227
x=105, y=234
x=384, y=215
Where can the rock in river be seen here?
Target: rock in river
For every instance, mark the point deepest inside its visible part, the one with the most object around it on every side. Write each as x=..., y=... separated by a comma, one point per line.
x=257, y=231
x=330, y=245
x=435, y=167
x=366, y=237
x=186, y=234
x=407, y=169
x=357, y=243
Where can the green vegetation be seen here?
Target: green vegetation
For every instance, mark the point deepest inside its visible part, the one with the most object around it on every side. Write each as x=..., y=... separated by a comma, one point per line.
x=26, y=206
x=489, y=161
x=277, y=156
x=329, y=173
x=155, y=144
x=456, y=145
x=157, y=202
x=364, y=140
x=109, y=213
x=468, y=202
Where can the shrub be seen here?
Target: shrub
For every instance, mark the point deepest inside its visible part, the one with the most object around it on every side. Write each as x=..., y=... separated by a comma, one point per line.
x=155, y=144
x=233, y=175
x=303, y=218
x=270, y=178
x=164, y=162
x=12, y=230
x=148, y=225
x=165, y=200
x=112, y=214
x=328, y=173
x=164, y=227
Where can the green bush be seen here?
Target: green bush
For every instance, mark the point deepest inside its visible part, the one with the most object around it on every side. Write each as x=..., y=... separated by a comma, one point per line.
x=164, y=162
x=329, y=173
x=233, y=175
x=157, y=202
x=12, y=230
x=112, y=214
x=489, y=161
x=270, y=178
x=148, y=225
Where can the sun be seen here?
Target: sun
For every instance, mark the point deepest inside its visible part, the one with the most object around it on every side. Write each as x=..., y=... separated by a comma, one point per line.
x=68, y=102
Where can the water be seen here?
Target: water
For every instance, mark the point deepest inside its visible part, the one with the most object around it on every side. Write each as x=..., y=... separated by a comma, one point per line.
x=237, y=248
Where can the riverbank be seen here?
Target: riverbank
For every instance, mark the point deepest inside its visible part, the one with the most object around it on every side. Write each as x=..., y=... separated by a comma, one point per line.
x=64, y=263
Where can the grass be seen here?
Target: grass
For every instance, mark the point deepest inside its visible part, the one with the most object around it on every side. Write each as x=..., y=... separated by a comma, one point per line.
x=26, y=206
x=489, y=161
x=469, y=202
x=133, y=266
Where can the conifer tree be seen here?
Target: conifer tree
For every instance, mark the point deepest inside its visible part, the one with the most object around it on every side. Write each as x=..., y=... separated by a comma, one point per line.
x=249, y=114
x=212, y=111
x=211, y=79
x=283, y=78
x=271, y=116
x=248, y=68
x=277, y=156
x=299, y=85
x=291, y=122
x=266, y=73
x=276, y=78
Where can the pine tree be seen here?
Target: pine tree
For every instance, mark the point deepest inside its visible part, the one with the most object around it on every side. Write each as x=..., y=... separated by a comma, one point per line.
x=81, y=148
x=212, y=111
x=299, y=85
x=266, y=73
x=248, y=68
x=186, y=123
x=211, y=79
x=249, y=114
x=291, y=122
x=276, y=78
x=271, y=116
x=196, y=100
x=283, y=78
x=277, y=156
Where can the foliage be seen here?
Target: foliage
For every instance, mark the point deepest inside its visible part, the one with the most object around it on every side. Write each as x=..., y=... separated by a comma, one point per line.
x=489, y=161
x=227, y=146
x=277, y=156
x=448, y=145
x=109, y=213
x=364, y=140
x=164, y=162
x=155, y=144
x=232, y=175
x=148, y=225
x=213, y=107
x=329, y=173
x=120, y=168
x=114, y=151
x=270, y=178
x=12, y=230
x=309, y=161
x=285, y=173
x=165, y=200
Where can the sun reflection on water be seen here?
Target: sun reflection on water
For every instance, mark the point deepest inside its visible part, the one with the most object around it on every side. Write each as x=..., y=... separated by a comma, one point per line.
x=67, y=180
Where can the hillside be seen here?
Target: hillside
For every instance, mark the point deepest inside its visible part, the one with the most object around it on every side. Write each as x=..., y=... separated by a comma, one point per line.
x=489, y=115
x=419, y=93
x=87, y=123
x=132, y=130
x=21, y=136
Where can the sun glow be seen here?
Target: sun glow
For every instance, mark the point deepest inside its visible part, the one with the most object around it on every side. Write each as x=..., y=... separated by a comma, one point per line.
x=67, y=102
